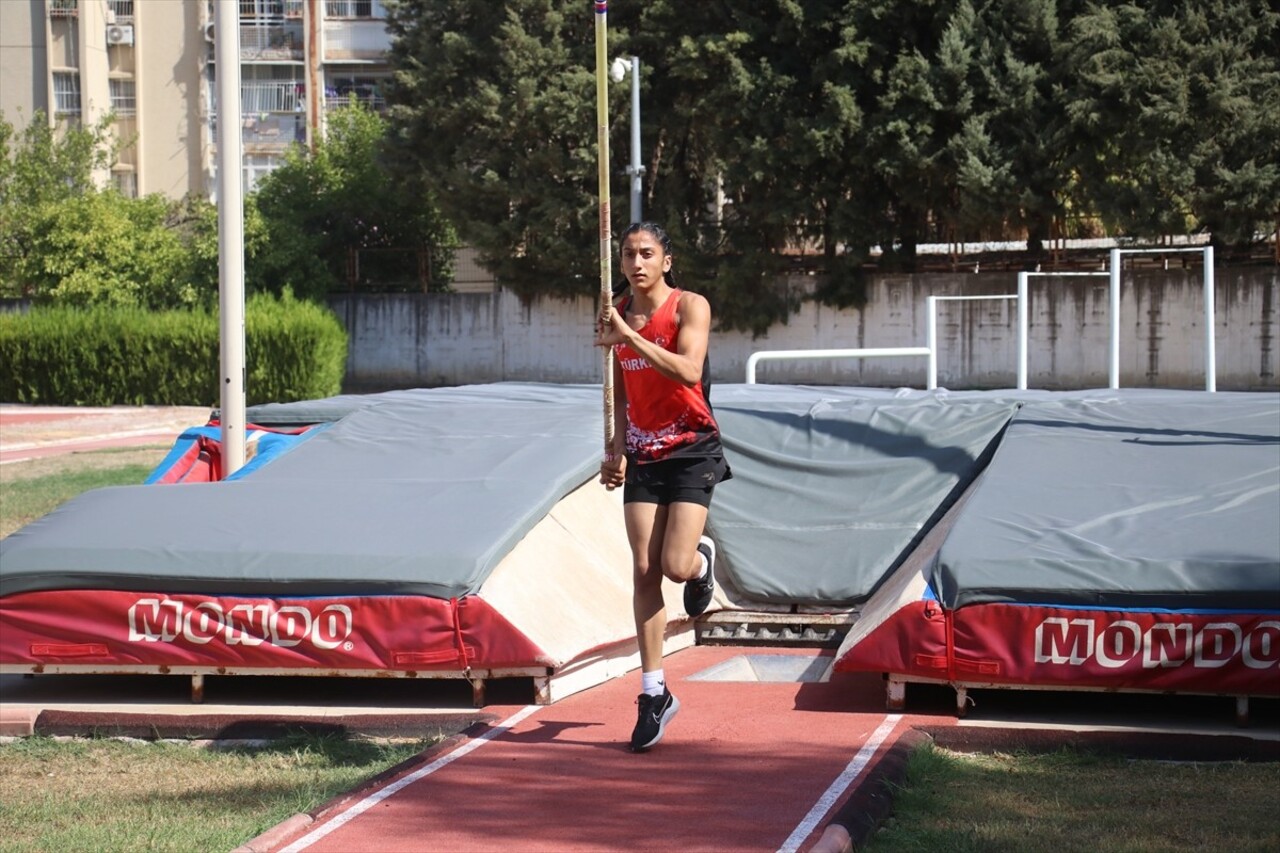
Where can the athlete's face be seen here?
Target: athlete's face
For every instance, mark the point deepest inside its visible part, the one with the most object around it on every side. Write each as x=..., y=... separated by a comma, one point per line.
x=643, y=261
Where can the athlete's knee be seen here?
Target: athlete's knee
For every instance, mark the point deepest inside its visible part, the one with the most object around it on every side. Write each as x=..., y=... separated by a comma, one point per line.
x=678, y=566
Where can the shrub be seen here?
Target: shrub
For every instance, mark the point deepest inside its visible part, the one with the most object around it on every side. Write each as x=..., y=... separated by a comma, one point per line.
x=102, y=356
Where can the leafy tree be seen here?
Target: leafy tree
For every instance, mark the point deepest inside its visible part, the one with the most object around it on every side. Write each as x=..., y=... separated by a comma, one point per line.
x=102, y=248
x=42, y=165
x=837, y=125
x=324, y=217
x=494, y=107
x=1179, y=107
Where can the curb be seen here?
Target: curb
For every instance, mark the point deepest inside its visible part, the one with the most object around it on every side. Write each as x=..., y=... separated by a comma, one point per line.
x=870, y=802
x=273, y=837
x=17, y=723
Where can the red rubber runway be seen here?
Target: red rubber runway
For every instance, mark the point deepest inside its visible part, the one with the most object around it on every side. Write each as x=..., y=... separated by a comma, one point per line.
x=31, y=432
x=743, y=766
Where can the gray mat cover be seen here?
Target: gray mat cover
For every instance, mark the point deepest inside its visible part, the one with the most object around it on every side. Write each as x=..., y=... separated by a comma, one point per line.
x=412, y=493
x=832, y=487
x=1147, y=500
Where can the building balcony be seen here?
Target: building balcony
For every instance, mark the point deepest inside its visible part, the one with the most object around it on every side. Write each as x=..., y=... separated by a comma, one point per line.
x=266, y=131
x=272, y=43
x=356, y=41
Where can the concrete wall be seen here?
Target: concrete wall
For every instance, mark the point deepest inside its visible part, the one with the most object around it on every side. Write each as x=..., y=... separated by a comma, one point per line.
x=444, y=339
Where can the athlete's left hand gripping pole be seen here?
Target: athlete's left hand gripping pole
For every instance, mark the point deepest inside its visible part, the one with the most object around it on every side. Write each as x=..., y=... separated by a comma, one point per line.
x=606, y=253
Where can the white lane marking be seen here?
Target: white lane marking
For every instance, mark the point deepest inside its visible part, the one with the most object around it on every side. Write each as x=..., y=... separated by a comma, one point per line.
x=838, y=787
x=340, y=820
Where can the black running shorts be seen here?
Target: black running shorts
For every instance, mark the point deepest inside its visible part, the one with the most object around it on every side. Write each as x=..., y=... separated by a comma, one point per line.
x=678, y=480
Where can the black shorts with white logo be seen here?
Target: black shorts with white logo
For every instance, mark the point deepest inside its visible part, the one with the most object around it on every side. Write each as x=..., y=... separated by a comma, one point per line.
x=677, y=480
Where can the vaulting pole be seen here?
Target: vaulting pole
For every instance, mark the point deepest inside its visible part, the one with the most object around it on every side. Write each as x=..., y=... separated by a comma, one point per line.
x=606, y=252
x=230, y=237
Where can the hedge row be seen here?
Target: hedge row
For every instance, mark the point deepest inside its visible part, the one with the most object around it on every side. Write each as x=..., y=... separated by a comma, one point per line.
x=104, y=356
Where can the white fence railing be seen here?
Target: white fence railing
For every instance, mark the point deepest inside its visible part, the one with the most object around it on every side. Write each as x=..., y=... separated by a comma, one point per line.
x=1210, y=358
x=930, y=350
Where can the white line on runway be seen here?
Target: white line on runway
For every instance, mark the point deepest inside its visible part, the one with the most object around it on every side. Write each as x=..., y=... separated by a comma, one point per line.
x=838, y=787
x=381, y=794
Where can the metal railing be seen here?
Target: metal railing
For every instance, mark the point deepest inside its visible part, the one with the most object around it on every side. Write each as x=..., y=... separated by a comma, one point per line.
x=271, y=41
x=931, y=331
x=1210, y=357
x=930, y=350
x=272, y=96
x=1023, y=320
x=121, y=10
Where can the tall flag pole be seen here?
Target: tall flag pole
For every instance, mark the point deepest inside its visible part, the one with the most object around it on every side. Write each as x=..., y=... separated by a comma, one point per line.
x=606, y=252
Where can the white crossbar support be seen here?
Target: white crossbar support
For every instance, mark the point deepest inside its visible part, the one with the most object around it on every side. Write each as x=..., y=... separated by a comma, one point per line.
x=1113, y=349
x=798, y=354
x=1023, y=320
x=1210, y=355
x=932, y=328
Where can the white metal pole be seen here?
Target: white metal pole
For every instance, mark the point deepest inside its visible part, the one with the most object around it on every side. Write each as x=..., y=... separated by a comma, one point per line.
x=1114, y=344
x=636, y=171
x=1022, y=331
x=1210, y=356
x=230, y=236
x=931, y=341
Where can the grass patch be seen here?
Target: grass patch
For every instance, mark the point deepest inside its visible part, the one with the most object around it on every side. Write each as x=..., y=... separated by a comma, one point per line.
x=32, y=489
x=101, y=794
x=1073, y=800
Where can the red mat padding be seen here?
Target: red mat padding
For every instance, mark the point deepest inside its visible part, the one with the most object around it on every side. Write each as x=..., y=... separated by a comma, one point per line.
x=115, y=628
x=1194, y=652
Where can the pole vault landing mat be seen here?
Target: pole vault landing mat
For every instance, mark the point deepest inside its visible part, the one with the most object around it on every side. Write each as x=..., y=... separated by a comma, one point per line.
x=1115, y=542
x=460, y=532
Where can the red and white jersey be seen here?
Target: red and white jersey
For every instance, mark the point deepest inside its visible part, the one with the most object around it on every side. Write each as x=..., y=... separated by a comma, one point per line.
x=664, y=418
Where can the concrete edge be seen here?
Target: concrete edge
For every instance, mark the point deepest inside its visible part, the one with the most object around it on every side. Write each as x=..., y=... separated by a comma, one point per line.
x=17, y=722
x=1139, y=744
x=870, y=802
x=258, y=726
x=274, y=836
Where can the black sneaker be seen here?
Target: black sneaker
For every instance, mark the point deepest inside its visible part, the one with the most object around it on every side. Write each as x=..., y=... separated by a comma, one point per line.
x=698, y=592
x=655, y=713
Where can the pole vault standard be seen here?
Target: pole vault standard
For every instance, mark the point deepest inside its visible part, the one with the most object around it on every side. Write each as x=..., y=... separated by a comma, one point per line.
x=606, y=253
x=230, y=237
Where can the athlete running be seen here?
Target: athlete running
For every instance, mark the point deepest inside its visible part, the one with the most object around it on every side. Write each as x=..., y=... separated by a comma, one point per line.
x=666, y=452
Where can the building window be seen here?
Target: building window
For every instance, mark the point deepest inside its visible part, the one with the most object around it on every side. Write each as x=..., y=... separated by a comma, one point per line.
x=122, y=10
x=257, y=166
x=126, y=183
x=63, y=8
x=261, y=9
x=354, y=9
x=66, y=93
x=124, y=101
x=347, y=90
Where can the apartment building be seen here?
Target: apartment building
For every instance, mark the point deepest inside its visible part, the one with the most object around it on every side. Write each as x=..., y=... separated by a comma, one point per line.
x=152, y=63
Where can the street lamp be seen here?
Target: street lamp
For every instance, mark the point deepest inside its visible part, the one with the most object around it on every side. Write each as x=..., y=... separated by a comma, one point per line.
x=618, y=70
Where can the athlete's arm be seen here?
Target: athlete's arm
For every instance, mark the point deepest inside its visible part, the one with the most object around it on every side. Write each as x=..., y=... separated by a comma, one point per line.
x=693, y=319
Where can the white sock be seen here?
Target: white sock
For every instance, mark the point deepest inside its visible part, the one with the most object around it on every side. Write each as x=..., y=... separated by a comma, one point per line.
x=702, y=573
x=653, y=683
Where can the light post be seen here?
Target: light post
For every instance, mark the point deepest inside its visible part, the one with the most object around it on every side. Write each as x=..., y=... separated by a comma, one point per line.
x=618, y=70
